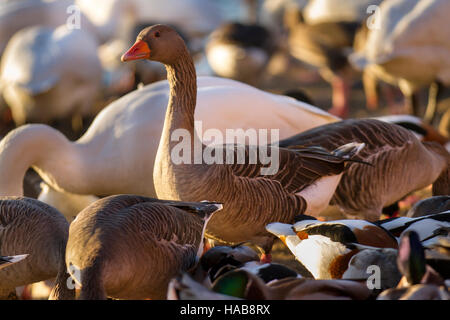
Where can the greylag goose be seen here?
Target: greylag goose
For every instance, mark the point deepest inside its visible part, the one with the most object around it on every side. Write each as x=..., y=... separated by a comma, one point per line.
x=28, y=225
x=9, y=260
x=386, y=142
x=240, y=51
x=365, y=190
x=419, y=281
x=410, y=33
x=329, y=249
x=41, y=65
x=129, y=247
x=322, y=36
x=277, y=196
x=126, y=134
x=422, y=130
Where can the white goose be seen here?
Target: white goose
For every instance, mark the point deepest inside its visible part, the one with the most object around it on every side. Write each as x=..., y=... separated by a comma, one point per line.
x=410, y=48
x=126, y=135
x=111, y=17
x=49, y=74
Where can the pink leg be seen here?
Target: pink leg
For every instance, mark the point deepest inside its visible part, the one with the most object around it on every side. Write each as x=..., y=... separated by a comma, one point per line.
x=341, y=94
x=206, y=246
x=266, y=258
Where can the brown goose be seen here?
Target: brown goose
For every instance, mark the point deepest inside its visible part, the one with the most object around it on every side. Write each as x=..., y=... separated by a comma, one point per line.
x=129, y=247
x=250, y=200
x=306, y=178
x=28, y=225
x=400, y=164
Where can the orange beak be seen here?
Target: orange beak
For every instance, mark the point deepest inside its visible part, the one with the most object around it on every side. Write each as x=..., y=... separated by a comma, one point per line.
x=138, y=51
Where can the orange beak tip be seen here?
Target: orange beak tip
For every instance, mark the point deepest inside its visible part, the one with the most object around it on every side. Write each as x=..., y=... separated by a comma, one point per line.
x=138, y=51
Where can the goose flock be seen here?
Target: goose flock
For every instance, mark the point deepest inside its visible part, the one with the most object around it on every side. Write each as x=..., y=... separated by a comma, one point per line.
x=168, y=194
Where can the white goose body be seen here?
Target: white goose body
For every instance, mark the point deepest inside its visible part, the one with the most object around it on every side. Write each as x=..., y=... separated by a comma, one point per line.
x=41, y=65
x=411, y=33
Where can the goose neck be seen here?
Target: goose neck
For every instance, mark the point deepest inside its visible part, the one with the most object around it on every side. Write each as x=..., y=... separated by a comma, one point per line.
x=182, y=80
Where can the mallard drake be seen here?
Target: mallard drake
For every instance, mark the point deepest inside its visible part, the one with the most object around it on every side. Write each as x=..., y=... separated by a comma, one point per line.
x=129, y=247
x=327, y=249
x=241, y=284
x=420, y=281
x=9, y=260
x=240, y=51
x=275, y=197
x=28, y=225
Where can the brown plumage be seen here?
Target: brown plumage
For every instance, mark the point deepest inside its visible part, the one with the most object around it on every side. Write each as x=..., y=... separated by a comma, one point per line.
x=129, y=247
x=400, y=164
x=32, y=227
x=250, y=199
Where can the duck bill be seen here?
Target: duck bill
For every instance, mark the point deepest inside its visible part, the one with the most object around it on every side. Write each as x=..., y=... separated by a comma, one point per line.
x=138, y=51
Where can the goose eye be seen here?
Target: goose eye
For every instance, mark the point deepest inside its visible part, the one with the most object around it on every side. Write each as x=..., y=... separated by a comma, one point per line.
x=157, y=34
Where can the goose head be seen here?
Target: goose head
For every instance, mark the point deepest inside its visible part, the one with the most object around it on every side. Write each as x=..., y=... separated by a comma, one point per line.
x=157, y=43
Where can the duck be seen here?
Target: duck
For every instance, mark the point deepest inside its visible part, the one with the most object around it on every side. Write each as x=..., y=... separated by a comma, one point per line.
x=322, y=35
x=257, y=191
x=41, y=64
x=129, y=246
x=391, y=50
x=214, y=260
x=28, y=225
x=430, y=228
x=6, y=261
x=327, y=248
x=240, y=51
x=118, y=133
x=419, y=281
x=429, y=206
x=221, y=259
x=184, y=287
x=241, y=284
